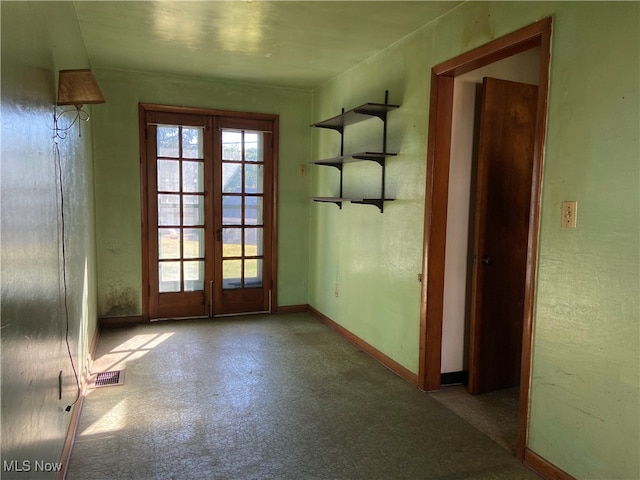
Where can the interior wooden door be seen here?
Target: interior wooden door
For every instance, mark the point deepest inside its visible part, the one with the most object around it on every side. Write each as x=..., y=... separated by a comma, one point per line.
x=502, y=211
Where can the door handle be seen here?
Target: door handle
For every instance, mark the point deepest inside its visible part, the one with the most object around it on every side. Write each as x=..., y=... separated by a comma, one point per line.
x=211, y=299
x=219, y=235
x=486, y=260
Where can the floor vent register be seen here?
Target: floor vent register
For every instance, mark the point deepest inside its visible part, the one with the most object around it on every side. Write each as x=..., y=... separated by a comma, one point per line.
x=107, y=379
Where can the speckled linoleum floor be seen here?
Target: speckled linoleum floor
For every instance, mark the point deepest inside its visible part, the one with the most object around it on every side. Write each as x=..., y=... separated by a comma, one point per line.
x=267, y=397
x=494, y=413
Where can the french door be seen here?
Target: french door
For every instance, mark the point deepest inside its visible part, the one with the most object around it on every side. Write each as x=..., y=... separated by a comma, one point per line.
x=243, y=204
x=208, y=213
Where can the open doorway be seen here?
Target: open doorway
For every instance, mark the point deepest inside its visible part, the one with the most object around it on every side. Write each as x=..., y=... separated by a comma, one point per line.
x=485, y=261
x=531, y=45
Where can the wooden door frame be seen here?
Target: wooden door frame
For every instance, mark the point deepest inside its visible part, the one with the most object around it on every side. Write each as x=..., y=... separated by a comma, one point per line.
x=436, y=198
x=143, y=108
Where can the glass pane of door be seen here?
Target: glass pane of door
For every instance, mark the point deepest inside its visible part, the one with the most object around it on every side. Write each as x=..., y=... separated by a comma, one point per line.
x=242, y=203
x=180, y=200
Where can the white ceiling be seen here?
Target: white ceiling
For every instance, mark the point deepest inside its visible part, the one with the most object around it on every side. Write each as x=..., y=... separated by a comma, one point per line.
x=289, y=43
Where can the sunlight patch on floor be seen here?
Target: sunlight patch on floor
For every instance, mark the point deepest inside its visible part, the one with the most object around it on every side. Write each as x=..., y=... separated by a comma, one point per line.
x=133, y=349
x=113, y=420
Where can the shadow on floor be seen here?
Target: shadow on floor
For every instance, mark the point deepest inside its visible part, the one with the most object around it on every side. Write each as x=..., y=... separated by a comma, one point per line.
x=494, y=413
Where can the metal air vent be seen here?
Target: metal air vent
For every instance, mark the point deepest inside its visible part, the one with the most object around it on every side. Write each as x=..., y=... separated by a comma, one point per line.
x=107, y=379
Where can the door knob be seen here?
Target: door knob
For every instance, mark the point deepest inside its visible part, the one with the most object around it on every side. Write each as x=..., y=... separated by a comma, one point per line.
x=486, y=260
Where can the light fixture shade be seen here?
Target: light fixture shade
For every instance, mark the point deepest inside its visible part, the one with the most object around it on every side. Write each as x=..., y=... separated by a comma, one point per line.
x=78, y=87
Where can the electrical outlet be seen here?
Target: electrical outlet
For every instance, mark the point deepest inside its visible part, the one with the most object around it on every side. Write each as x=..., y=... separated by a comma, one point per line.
x=569, y=214
x=336, y=291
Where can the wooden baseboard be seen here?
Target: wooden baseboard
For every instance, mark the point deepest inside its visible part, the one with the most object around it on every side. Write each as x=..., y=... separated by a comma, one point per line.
x=292, y=308
x=77, y=409
x=388, y=362
x=543, y=467
x=112, y=322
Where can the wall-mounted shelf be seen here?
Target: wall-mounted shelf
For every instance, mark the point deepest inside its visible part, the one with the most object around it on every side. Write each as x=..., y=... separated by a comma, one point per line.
x=358, y=114
x=337, y=162
x=338, y=123
x=378, y=202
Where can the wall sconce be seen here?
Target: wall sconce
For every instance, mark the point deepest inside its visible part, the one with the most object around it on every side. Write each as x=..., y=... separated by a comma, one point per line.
x=78, y=88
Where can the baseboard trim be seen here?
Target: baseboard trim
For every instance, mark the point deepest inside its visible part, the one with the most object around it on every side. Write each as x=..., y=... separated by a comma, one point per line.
x=77, y=409
x=113, y=322
x=543, y=467
x=454, y=378
x=292, y=308
x=373, y=352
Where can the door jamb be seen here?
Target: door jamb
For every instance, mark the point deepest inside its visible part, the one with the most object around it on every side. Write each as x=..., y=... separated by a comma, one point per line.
x=436, y=196
x=143, y=108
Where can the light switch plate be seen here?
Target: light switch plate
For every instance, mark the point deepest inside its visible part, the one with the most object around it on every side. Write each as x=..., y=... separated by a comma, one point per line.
x=569, y=214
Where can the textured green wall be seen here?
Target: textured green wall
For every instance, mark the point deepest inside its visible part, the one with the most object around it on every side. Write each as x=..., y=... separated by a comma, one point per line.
x=374, y=258
x=585, y=401
x=585, y=380
x=38, y=39
x=117, y=176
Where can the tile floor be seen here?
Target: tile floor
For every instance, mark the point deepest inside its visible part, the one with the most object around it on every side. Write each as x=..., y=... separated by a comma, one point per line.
x=267, y=397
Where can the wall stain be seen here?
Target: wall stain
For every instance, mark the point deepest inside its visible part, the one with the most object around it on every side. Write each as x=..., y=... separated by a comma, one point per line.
x=588, y=413
x=120, y=303
x=480, y=30
x=571, y=374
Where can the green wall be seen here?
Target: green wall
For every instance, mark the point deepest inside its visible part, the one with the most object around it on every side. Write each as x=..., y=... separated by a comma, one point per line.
x=585, y=379
x=38, y=39
x=585, y=400
x=117, y=176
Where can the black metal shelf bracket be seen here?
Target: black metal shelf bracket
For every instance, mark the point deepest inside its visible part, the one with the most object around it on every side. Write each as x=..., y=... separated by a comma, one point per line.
x=335, y=201
x=376, y=202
